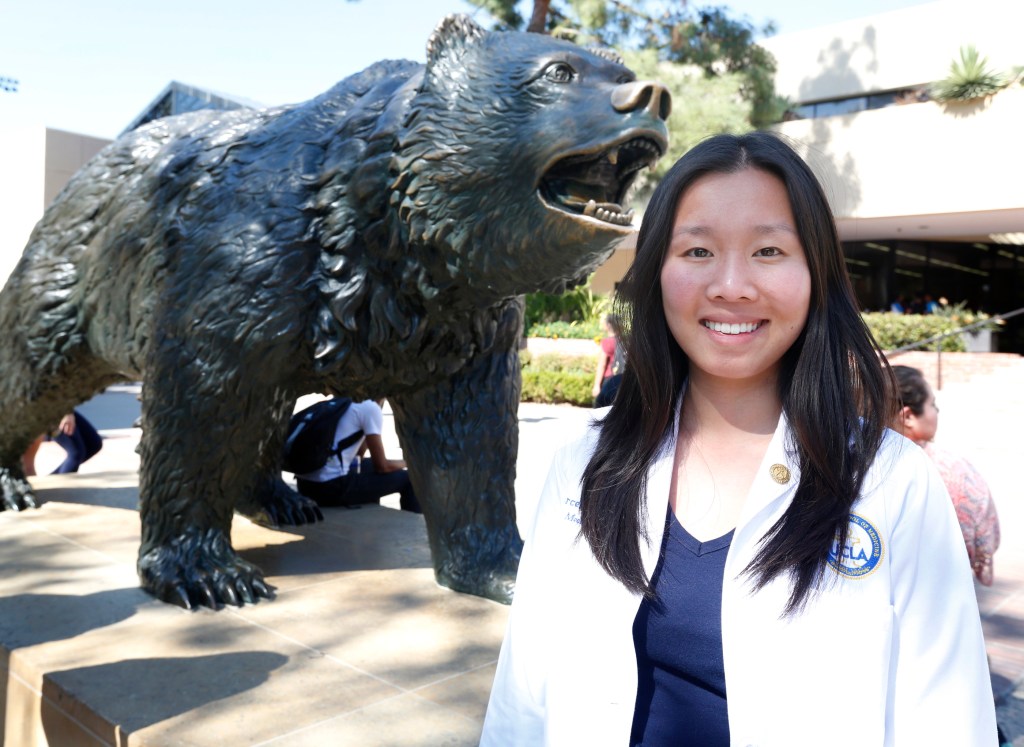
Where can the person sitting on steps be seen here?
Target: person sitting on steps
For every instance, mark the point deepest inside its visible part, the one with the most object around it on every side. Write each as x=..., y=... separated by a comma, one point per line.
x=337, y=484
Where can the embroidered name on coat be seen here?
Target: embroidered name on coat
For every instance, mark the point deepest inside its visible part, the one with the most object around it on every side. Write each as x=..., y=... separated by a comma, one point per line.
x=573, y=514
x=863, y=550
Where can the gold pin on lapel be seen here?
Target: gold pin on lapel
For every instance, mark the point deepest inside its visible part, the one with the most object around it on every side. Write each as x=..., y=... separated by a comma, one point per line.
x=779, y=473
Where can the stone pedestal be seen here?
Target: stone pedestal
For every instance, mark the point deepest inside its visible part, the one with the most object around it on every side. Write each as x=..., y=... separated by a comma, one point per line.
x=360, y=647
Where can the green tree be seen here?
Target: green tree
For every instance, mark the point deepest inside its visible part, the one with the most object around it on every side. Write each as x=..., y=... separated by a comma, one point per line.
x=713, y=105
x=706, y=39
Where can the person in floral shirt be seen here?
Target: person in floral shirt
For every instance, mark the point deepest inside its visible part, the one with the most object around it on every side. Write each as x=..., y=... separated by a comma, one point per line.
x=971, y=496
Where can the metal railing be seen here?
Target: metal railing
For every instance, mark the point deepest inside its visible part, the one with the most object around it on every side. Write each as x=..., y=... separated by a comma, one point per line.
x=939, y=338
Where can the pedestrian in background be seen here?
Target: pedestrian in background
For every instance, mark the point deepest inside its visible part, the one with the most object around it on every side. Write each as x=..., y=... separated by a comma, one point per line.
x=76, y=435
x=972, y=499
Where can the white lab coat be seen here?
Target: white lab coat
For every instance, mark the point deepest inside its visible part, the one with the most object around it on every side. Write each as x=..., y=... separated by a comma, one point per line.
x=891, y=653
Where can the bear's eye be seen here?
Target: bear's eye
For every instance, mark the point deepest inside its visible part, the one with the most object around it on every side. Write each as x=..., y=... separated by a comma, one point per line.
x=559, y=72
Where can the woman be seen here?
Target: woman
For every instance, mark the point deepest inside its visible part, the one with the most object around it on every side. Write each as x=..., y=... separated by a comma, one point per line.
x=972, y=499
x=610, y=364
x=739, y=552
x=605, y=358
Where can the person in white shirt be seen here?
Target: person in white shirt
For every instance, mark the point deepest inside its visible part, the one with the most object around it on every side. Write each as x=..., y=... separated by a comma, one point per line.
x=337, y=484
x=738, y=551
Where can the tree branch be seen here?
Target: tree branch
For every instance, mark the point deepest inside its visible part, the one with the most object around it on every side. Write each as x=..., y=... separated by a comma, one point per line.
x=538, y=21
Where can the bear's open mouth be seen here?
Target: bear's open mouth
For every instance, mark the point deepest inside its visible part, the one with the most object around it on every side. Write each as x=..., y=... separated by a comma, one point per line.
x=595, y=184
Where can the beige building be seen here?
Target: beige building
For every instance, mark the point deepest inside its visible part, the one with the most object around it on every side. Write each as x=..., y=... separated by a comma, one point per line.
x=35, y=164
x=929, y=197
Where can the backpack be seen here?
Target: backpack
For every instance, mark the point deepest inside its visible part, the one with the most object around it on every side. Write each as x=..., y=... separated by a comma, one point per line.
x=310, y=439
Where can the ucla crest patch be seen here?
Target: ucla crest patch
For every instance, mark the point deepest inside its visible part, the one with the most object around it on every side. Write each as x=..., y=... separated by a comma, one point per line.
x=862, y=553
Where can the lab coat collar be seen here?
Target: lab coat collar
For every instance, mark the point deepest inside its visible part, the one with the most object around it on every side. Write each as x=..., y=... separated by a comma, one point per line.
x=776, y=480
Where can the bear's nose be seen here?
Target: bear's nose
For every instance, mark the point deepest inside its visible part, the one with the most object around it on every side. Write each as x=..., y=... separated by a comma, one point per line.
x=643, y=94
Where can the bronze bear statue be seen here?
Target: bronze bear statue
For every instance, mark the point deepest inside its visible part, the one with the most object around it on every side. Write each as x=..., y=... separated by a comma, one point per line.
x=374, y=241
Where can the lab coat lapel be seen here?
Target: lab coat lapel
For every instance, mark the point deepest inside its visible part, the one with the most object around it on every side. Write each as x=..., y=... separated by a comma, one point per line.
x=659, y=481
x=770, y=494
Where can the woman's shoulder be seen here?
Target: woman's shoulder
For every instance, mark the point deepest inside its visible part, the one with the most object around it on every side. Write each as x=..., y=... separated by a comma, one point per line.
x=367, y=408
x=366, y=414
x=569, y=459
x=945, y=459
x=898, y=451
x=576, y=450
x=897, y=462
x=902, y=475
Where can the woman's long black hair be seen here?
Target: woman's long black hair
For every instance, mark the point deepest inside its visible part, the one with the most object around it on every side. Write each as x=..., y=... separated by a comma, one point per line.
x=835, y=389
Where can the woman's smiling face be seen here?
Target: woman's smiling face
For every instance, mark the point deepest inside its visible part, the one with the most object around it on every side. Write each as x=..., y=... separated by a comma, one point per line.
x=735, y=284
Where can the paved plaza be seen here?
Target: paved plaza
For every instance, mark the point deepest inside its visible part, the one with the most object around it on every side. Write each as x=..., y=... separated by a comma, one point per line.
x=360, y=646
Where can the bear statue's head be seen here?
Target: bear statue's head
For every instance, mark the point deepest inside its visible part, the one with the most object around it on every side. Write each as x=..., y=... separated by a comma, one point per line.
x=516, y=154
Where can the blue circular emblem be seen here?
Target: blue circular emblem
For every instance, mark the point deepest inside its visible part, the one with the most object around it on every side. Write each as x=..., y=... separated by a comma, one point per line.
x=862, y=553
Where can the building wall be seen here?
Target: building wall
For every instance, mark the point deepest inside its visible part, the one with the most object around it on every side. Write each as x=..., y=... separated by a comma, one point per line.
x=898, y=49
x=66, y=153
x=35, y=164
x=22, y=177
x=611, y=272
x=918, y=159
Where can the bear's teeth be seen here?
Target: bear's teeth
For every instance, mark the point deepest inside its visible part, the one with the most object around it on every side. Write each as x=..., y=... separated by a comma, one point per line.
x=613, y=156
x=590, y=209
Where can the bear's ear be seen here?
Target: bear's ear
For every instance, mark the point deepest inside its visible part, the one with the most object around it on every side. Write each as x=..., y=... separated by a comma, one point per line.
x=451, y=37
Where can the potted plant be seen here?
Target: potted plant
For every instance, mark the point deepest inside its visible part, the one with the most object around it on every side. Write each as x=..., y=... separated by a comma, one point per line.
x=979, y=339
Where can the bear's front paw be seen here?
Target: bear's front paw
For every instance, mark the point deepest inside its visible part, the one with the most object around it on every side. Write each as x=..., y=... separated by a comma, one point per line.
x=15, y=492
x=275, y=504
x=198, y=568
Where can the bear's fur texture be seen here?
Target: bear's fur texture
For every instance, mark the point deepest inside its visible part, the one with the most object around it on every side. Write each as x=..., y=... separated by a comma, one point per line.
x=372, y=242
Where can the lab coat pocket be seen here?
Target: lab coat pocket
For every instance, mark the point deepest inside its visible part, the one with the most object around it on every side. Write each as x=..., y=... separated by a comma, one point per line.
x=819, y=676
x=848, y=655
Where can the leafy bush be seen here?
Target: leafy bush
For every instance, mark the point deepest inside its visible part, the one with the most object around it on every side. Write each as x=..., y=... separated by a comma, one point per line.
x=575, y=314
x=555, y=387
x=579, y=304
x=587, y=330
x=559, y=362
x=893, y=331
x=556, y=378
x=960, y=316
x=969, y=78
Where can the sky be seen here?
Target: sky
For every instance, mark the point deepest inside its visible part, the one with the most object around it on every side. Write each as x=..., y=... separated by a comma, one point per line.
x=92, y=67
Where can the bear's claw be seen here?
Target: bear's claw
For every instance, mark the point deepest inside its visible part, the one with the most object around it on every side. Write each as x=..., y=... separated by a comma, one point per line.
x=15, y=492
x=198, y=569
x=278, y=505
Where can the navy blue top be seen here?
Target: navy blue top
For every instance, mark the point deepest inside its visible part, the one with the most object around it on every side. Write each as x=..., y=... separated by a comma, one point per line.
x=680, y=698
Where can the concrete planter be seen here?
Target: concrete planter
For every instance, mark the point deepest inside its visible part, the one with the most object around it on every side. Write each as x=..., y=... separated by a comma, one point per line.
x=979, y=341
